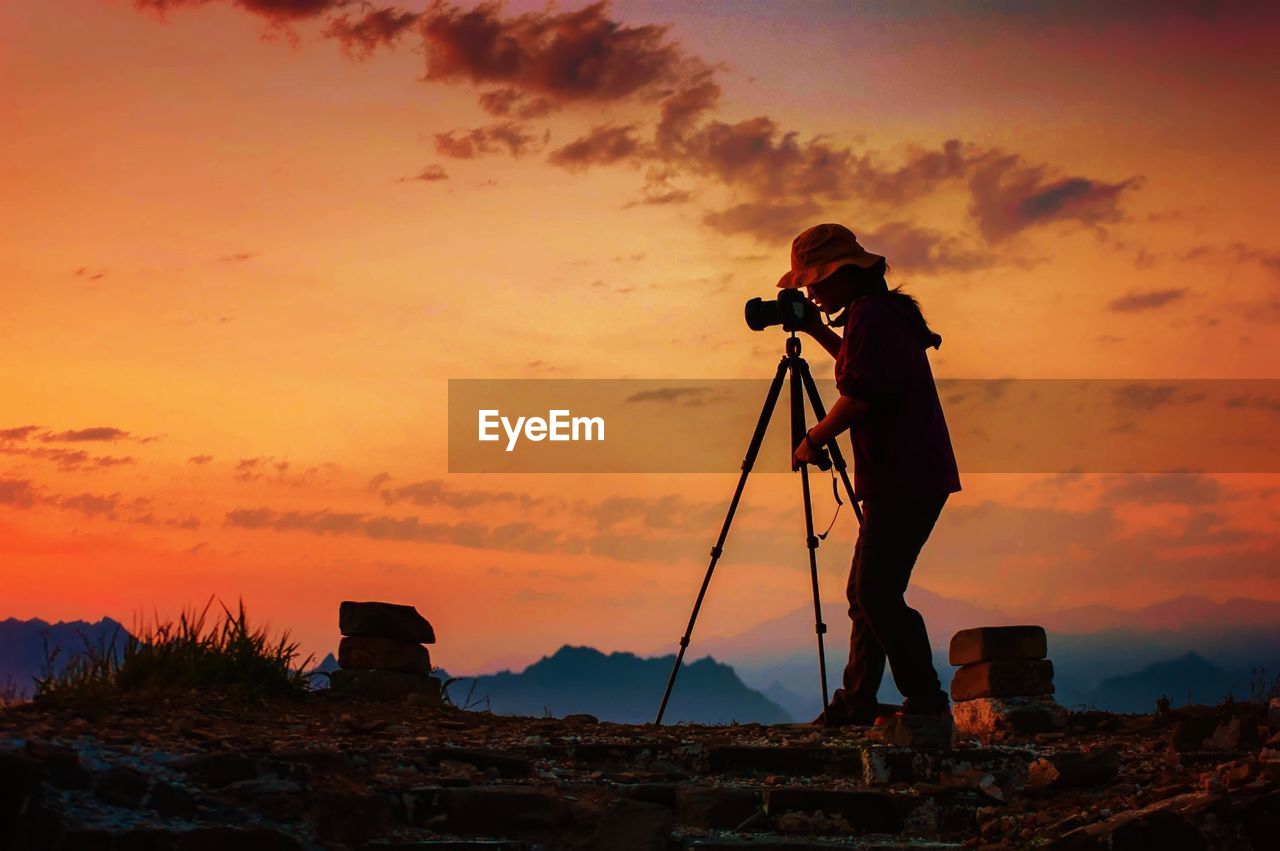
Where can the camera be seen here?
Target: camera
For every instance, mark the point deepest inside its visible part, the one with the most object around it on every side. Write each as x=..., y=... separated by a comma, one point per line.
x=791, y=310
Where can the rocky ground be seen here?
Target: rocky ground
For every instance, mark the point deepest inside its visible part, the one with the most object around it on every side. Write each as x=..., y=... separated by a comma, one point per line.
x=333, y=771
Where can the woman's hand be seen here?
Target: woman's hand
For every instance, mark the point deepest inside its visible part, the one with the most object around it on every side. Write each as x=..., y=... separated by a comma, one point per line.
x=804, y=454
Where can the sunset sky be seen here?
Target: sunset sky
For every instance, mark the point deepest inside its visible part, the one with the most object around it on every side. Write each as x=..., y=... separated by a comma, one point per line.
x=245, y=243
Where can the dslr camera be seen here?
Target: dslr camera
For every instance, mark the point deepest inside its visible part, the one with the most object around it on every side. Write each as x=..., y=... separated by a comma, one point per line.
x=791, y=310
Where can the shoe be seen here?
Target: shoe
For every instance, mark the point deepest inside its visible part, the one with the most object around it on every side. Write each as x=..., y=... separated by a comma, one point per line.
x=859, y=718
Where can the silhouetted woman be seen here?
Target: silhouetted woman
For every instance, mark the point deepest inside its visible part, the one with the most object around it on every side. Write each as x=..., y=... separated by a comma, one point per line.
x=904, y=467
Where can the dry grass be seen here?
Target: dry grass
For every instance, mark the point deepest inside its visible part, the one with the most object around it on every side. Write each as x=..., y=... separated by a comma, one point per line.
x=190, y=655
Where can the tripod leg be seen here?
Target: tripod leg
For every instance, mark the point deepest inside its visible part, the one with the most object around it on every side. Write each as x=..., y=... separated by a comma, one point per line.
x=811, y=540
x=748, y=462
x=837, y=459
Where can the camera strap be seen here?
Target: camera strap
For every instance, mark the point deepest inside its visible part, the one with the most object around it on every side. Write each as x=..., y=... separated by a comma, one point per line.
x=835, y=491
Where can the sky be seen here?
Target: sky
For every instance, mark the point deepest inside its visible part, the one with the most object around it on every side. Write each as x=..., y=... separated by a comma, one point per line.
x=244, y=245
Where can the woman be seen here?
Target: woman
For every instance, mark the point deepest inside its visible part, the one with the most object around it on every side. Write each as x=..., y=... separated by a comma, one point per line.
x=904, y=467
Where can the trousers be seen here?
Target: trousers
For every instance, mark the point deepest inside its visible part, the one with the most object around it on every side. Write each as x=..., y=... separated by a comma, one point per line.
x=894, y=529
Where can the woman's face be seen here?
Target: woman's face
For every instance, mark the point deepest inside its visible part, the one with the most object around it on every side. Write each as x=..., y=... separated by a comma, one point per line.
x=834, y=291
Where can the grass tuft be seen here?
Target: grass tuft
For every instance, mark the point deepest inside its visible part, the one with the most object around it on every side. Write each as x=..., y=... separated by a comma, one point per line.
x=170, y=658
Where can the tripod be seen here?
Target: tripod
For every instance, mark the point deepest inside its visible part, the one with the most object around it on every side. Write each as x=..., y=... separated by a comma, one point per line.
x=801, y=383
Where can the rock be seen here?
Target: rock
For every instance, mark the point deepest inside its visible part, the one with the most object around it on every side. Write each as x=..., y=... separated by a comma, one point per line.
x=387, y=654
x=1213, y=729
x=171, y=801
x=1073, y=769
x=864, y=811
x=921, y=731
x=1273, y=714
x=385, y=685
x=499, y=810
x=20, y=796
x=121, y=786
x=60, y=765
x=507, y=765
x=715, y=806
x=1002, y=679
x=384, y=620
x=219, y=769
x=1020, y=713
x=351, y=818
x=631, y=825
x=997, y=643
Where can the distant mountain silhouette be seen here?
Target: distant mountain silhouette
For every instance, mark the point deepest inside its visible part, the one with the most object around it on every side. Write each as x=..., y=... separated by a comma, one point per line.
x=620, y=687
x=23, y=647
x=1188, y=679
x=1236, y=635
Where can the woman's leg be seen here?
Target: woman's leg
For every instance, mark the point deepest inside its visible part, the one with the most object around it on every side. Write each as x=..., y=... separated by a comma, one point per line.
x=894, y=530
x=865, y=668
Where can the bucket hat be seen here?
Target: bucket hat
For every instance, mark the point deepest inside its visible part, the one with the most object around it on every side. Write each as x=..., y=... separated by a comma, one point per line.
x=820, y=250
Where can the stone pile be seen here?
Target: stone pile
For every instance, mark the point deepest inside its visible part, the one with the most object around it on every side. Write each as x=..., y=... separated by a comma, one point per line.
x=382, y=654
x=1004, y=682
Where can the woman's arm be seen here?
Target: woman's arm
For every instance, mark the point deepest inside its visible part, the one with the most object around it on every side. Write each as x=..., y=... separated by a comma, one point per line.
x=847, y=411
x=826, y=338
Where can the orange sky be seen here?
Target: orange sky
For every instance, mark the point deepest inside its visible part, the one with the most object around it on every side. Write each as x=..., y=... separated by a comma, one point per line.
x=212, y=248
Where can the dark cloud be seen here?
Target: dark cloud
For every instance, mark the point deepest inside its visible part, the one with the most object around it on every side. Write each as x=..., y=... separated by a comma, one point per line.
x=602, y=146
x=1008, y=197
x=519, y=537
x=513, y=103
x=689, y=396
x=1145, y=397
x=273, y=10
x=85, y=434
x=239, y=257
x=1162, y=489
x=767, y=221
x=1133, y=302
x=918, y=249
x=430, y=174
x=19, y=492
x=361, y=36
x=91, y=505
x=18, y=433
x=566, y=56
x=199, y=459
x=436, y=492
x=67, y=459
x=269, y=470
x=510, y=136
x=91, y=274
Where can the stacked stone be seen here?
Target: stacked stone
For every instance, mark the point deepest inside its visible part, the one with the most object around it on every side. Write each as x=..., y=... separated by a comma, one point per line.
x=1004, y=682
x=382, y=655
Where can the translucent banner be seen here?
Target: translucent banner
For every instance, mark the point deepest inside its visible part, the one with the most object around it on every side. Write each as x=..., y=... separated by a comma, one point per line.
x=996, y=425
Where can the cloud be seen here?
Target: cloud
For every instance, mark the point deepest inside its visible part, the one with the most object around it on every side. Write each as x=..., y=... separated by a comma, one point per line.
x=602, y=146
x=533, y=64
x=91, y=505
x=17, y=492
x=276, y=11
x=920, y=249
x=1164, y=489
x=1134, y=302
x=581, y=55
x=267, y=469
x=360, y=37
x=521, y=537
x=67, y=459
x=430, y=173
x=469, y=144
x=436, y=492
x=689, y=396
x=18, y=433
x=1008, y=197
x=74, y=435
x=513, y=103
x=199, y=459
x=239, y=257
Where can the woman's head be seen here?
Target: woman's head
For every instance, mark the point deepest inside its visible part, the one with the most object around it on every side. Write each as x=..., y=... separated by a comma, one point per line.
x=847, y=283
